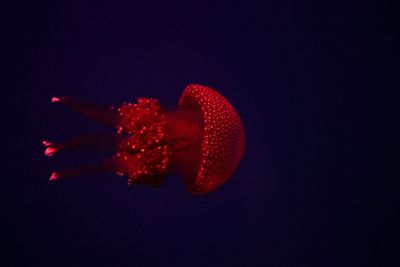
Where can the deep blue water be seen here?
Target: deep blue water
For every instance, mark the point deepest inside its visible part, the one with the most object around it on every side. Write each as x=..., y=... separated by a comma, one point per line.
x=312, y=83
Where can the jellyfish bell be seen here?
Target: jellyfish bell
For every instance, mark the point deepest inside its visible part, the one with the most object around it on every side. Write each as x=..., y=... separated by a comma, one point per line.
x=201, y=140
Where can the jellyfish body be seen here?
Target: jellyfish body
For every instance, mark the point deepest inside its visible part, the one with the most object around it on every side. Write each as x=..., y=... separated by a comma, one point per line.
x=202, y=140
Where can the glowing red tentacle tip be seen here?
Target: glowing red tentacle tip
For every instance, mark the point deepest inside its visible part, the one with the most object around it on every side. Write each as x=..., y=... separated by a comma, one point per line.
x=46, y=143
x=50, y=151
x=55, y=99
x=54, y=176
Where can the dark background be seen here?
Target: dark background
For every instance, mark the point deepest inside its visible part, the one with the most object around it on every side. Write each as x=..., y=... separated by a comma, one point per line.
x=312, y=82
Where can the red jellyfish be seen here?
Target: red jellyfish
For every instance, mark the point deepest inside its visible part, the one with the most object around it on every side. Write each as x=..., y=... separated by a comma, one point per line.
x=201, y=140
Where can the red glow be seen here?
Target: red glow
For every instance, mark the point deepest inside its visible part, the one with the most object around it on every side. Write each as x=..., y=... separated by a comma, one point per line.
x=54, y=176
x=55, y=99
x=202, y=140
x=50, y=151
x=46, y=143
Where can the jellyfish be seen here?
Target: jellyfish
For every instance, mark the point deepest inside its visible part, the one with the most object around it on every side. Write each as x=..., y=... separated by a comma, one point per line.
x=202, y=140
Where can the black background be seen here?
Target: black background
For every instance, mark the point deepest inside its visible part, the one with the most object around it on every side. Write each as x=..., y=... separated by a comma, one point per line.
x=312, y=82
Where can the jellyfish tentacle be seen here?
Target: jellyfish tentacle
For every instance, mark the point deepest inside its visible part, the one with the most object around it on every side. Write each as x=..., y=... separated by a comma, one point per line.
x=100, y=114
x=91, y=168
x=81, y=142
